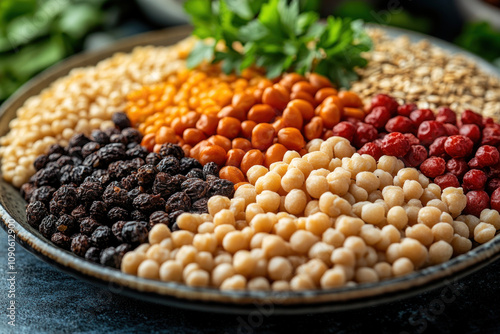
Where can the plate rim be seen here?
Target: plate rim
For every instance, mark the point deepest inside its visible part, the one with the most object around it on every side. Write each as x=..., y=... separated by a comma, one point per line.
x=286, y=302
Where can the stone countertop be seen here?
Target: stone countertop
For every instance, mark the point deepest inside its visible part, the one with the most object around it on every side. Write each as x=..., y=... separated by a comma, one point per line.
x=50, y=301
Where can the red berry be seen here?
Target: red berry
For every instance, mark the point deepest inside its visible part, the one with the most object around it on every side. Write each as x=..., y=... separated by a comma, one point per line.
x=458, y=146
x=447, y=180
x=494, y=171
x=477, y=201
x=470, y=117
x=420, y=115
x=493, y=184
x=488, y=121
x=457, y=167
x=487, y=156
x=495, y=200
x=383, y=100
x=400, y=124
x=365, y=133
x=472, y=131
x=446, y=115
x=437, y=147
x=395, y=144
x=378, y=117
x=372, y=149
x=415, y=156
x=474, y=179
x=428, y=131
x=491, y=135
x=406, y=109
x=474, y=163
x=451, y=129
x=352, y=120
x=433, y=167
x=412, y=139
x=344, y=129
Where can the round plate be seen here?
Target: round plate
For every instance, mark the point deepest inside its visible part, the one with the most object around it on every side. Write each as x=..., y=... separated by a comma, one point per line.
x=12, y=212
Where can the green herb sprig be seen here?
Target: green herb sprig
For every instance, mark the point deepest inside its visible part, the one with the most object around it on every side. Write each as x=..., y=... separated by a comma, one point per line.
x=277, y=36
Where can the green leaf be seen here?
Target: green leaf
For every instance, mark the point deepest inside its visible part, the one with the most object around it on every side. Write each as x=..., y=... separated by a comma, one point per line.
x=241, y=8
x=79, y=19
x=270, y=16
x=201, y=52
x=304, y=22
x=199, y=9
x=253, y=31
x=289, y=15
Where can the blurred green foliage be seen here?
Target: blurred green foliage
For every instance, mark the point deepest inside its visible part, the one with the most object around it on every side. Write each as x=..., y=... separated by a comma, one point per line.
x=482, y=39
x=35, y=34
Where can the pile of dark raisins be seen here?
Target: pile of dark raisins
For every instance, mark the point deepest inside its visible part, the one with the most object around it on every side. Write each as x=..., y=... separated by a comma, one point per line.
x=100, y=196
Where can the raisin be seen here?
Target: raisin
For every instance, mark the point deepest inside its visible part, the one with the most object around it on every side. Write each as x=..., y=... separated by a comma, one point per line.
x=56, y=148
x=102, y=237
x=79, y=212
x=111, y=131
x=129, y=182
x=171, y=150
x=158, y=217
x=148, y=203
x=66, y=224
x=89, y=192
x=117, y=213
x=132, y=194
x=178, y=201
x=195, y=188
x=46, y=177
x=100, y=137
x=132, y=135
x=221, y=187
x=93, y=254
x=121, y=120
x=134, y=233
x=35, y=213
x=172, y=218
x=169, y=165
x=79, y=173
x=64, y=200
x=118, y=138
x=64, y=161
x=137, y=151
x=186, y=164
x=110, y=153
x=116, y=196
x=123, y=249
x=197, y=173
x=164, y=185
x=110, y=258
x=78, y=140
x=90, y=148
x=88, y=226
x=201, y=205
x=80, y=243
x=153, y=158
x=117, y=229
x=40, y=162
x=76, y=154
x=146, y=175
x=61, y=240
x=98, y=211
x=92, y=160
x=210, y=168
x=138, y=215
x=48, y=226
x=27, y=190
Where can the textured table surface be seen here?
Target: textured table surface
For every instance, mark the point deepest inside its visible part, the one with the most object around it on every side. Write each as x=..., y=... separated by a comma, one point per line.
x=50, y=301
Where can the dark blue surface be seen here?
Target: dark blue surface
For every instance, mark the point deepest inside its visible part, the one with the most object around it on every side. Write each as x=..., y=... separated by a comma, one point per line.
x=50, y=301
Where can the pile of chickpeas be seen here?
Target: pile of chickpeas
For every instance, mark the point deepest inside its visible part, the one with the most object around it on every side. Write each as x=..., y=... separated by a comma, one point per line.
x=239, y=122
x=327, y=219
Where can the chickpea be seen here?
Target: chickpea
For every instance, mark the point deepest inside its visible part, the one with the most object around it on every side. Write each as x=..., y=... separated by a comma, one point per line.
x=295, y=201
x=271, y=181
x=279, y=268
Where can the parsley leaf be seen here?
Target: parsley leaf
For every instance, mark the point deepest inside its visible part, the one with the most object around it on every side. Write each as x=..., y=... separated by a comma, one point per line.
x=277, y=35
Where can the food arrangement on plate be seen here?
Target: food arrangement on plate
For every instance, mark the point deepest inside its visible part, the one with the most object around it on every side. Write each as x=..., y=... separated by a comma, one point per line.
x=240, y=160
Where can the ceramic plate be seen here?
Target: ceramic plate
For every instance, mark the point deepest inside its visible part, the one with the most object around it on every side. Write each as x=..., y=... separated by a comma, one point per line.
x=12, y=208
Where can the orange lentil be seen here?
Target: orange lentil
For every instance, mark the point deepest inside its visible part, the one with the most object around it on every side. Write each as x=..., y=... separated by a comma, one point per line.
x=193, y=136
x=251, y=158
x=261, y=113
x=314, y=128
x=229, y=127
x=330, y=114
x=274, y=153
x=213, y=153
x=276, y=96
x=262, y=136
x=291, y=138
x=242, y=144
x=350, y=99
x=290, y=79
x=323, y=93
x=207, y=124
x=221, y=141
x=247, y=128
x=232, y=174
x=234, y=157
x=354, y=112
x=303, y=96
x=319, y=81
x=230, y=111
x=304, y=86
